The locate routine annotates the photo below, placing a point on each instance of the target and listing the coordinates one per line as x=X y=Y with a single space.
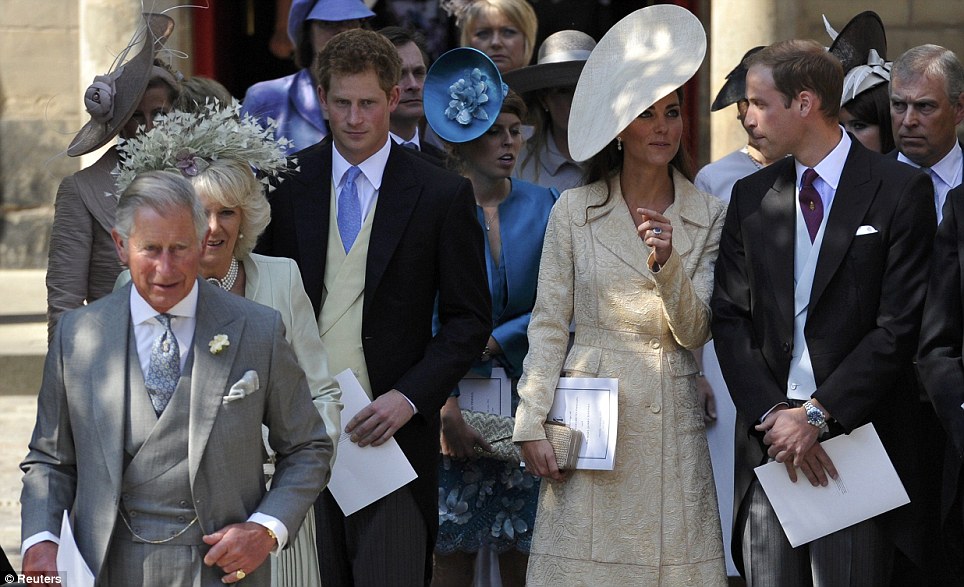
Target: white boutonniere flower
x=219 y=343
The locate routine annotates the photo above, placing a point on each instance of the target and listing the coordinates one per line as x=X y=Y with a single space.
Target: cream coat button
x=655 y=408
x=654 y=343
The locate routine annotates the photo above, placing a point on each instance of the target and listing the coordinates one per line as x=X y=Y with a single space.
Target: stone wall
x=38 y=83
x=51 y=49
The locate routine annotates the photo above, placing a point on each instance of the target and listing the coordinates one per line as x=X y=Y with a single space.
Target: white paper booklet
x=362 y=475
x=591 y=406
x=866 y=486
x=491 y=394
x=71 y=567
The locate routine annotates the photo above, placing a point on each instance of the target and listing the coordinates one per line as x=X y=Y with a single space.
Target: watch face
x=814 y=415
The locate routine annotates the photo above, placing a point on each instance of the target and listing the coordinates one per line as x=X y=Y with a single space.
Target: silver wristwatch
x=815 y=416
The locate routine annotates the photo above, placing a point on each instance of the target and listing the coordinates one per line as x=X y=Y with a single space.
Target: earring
x=619 y=143
x=240 y=236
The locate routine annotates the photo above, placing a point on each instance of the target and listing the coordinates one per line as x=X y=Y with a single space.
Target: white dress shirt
x=369 y=181
x=414 y=140
x=945 y=175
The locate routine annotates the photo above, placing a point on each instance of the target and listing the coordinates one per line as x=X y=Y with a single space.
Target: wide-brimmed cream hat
x=644 y=57
x=112 y=99
x=561 y=59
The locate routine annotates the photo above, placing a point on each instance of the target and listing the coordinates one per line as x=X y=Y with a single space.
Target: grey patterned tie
x=165 y=366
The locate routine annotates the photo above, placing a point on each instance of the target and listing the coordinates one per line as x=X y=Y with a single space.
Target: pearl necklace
x=228 y=282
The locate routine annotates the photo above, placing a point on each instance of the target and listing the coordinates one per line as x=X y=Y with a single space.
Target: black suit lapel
x=312 y=203
x=778 y=211
x=396 y=200
x=853 y=197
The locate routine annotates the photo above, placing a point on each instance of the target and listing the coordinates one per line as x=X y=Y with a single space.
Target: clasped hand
x=793 y=441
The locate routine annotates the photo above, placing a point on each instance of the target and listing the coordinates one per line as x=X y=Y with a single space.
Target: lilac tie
x=349 y=209
x=810 y=203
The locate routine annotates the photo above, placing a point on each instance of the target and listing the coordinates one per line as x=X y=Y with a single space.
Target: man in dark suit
x=409 y=114
x=941 y=368
x=926 y=105
x=380 y=234
x=819 y=289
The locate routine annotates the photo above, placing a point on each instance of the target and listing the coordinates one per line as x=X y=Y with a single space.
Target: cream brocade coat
x=654 y=519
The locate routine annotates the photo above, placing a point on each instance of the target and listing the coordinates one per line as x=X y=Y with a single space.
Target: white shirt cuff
x=36 y=539
x=273 y=524
x=768 y=412
x=414 y=409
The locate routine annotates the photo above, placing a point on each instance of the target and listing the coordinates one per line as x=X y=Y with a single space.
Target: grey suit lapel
x=108 y=374
x=778 y=233
x=209 y=378
x=853 y=197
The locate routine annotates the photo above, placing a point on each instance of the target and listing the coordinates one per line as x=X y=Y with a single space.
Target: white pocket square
x=866 y=229
x=247 y=385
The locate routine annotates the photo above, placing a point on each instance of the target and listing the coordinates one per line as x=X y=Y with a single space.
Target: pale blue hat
x=330 y=10
x=463 y=94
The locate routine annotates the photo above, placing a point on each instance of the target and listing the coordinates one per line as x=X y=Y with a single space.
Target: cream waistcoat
x=342 y=299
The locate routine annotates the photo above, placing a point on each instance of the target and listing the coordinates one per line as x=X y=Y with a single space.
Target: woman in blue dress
x=486 y=503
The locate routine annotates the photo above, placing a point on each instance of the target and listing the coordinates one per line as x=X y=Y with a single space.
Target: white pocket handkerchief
x=247 y=385
x=866 y=229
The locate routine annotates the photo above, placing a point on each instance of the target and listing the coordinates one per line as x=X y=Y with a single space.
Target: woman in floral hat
x=487 y=506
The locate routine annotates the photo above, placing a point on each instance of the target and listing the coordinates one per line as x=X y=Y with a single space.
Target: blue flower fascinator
x=463 y=95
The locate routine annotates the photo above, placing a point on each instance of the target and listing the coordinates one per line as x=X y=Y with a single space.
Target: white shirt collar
x=141 y=311
x=830 y=167
x=372 y=168
x=948 y=168
x=414 y=140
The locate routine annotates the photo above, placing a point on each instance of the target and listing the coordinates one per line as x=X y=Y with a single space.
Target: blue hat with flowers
x=463 y=94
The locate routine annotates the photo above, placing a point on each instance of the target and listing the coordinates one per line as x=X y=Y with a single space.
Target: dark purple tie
x=810 y=203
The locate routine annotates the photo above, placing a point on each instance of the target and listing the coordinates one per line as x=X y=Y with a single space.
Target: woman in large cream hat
x=82 y=263
x=630 y=258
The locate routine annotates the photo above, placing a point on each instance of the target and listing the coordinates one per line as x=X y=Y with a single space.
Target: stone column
x=735 y=27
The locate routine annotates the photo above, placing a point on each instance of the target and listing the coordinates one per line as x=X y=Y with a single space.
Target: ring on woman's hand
x=240 y=574
x=657 y=230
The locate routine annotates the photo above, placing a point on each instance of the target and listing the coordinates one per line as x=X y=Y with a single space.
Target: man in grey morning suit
x=149 y=418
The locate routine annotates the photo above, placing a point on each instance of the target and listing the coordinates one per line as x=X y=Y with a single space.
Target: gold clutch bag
x=497 y=431
x=565 y=442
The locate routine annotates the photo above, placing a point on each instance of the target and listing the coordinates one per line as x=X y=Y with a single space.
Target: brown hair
x=803 y=65
x=607 y=163
x=357 y=51
x=512 y=104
